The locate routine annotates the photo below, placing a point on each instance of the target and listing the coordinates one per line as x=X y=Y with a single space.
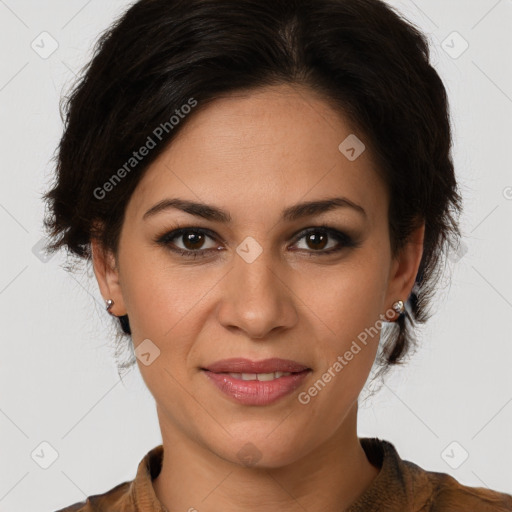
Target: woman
x=209 y=148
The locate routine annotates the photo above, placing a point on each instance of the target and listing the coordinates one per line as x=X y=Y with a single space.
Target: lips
x=241 y=365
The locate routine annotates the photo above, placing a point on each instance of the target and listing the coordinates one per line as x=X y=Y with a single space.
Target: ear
x=106 y=271
x=404 y=267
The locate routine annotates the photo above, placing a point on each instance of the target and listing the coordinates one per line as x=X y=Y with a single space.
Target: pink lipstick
x=256 y=382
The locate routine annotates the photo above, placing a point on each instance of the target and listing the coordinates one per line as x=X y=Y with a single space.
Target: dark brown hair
x=361 y=56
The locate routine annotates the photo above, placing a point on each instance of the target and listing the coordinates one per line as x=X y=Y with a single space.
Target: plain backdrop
x=448 y=410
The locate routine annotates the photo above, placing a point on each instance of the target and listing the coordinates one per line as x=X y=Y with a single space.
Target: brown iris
x=193 y=240
x=319 y=240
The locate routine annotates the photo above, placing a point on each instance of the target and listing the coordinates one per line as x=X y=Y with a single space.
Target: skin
x=253 y=155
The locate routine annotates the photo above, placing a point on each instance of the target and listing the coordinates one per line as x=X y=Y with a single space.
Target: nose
x=256 y=298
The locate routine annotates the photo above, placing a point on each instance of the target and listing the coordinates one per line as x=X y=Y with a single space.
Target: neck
x=330 y=477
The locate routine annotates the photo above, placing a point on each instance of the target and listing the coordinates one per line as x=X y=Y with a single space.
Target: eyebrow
x=289 y=214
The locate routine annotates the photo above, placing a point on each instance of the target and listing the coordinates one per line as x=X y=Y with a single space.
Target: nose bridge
x=255 y=299
x=254 y=261
x=255 y=273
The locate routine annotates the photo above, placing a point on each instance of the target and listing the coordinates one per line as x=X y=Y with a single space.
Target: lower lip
x=255 y=392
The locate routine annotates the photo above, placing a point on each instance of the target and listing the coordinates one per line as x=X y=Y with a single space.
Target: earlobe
x=107 y=275
x=405 y=267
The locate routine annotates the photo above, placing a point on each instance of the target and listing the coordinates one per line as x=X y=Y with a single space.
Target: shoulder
x=402 y=485
x=117 y=497
x=449 y=495
x=443 y=493
x=76 y=507
x=127 y=496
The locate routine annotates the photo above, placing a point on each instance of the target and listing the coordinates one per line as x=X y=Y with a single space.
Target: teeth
x=259 y=376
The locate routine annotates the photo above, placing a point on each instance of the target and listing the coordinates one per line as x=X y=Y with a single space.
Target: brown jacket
x=400 y=486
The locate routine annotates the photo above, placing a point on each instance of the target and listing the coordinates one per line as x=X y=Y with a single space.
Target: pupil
x=189 y=239
x=194 y=240
x=317 y=237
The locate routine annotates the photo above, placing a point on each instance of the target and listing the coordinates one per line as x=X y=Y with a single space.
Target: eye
x=316 y=238
x=193 y=241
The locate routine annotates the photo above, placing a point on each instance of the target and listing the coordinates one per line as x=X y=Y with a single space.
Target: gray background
x=58 y=379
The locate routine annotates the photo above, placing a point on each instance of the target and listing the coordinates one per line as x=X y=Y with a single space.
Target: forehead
x=260 y=151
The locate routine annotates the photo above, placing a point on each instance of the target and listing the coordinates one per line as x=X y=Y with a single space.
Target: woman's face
x=258 y=286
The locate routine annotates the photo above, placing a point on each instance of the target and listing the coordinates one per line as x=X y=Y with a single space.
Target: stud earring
x=109 y=303
x=399 y=307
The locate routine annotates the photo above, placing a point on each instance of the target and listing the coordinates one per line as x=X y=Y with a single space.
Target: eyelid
x=333 y=232
x=340 y=236
x=176 y=232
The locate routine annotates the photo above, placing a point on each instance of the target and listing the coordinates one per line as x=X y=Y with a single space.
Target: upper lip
x=241 y=365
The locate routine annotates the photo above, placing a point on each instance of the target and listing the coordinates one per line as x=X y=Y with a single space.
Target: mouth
x=256 y=382
x=247 y=366
x=262 y=377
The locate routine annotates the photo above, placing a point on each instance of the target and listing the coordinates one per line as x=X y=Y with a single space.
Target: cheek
x=345 y=353
x=347 y=297
x=346 y=307
x=166 y=304
x=159 y=294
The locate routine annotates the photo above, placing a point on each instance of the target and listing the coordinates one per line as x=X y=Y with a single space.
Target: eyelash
x=339 y=236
